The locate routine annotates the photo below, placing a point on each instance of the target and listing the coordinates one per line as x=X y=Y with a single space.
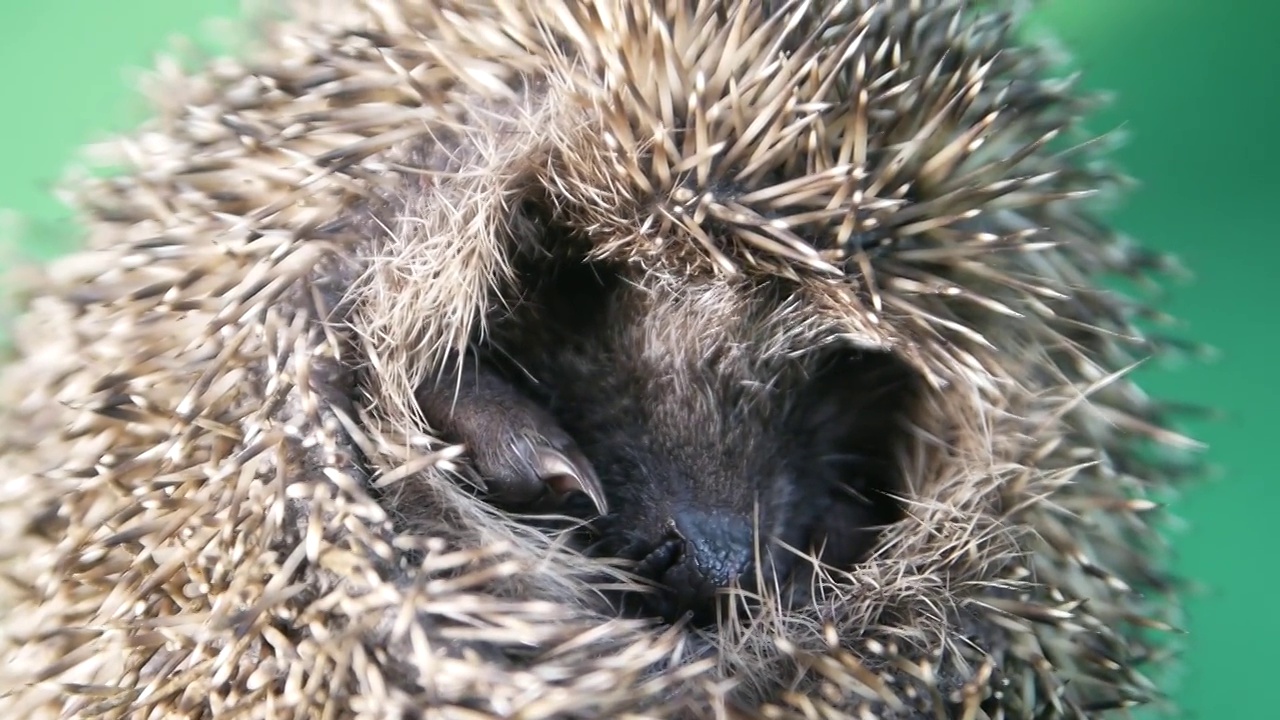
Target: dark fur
x=699 y=433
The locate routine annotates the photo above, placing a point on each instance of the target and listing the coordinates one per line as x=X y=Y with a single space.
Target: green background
x=1196 y=93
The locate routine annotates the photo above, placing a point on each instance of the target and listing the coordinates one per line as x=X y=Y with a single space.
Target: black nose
x=714 y=551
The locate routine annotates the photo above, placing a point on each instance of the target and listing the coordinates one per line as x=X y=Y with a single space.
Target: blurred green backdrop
x=1199 y=98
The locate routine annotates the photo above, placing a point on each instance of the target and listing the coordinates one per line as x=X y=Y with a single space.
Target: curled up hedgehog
x=590 y=359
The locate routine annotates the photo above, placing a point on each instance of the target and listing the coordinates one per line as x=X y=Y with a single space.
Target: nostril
x=718 y=547
x=659 y=561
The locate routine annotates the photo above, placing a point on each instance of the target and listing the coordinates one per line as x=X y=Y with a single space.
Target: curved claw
x=566 y=472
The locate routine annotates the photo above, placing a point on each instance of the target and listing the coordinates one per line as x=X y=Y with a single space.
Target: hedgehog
x=592 y=358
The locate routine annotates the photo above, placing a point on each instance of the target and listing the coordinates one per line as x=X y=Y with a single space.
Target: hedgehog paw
x=523 y=456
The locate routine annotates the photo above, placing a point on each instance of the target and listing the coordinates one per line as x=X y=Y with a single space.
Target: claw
x=566 y=472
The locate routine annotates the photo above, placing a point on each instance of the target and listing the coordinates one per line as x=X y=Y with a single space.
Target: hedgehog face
x=711 y=463
x=732 y=479
x=742 y=483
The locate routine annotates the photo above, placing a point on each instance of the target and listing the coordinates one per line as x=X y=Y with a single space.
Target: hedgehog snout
x=705 y=553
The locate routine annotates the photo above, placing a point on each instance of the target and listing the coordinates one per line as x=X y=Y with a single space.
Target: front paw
x=523 y=456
